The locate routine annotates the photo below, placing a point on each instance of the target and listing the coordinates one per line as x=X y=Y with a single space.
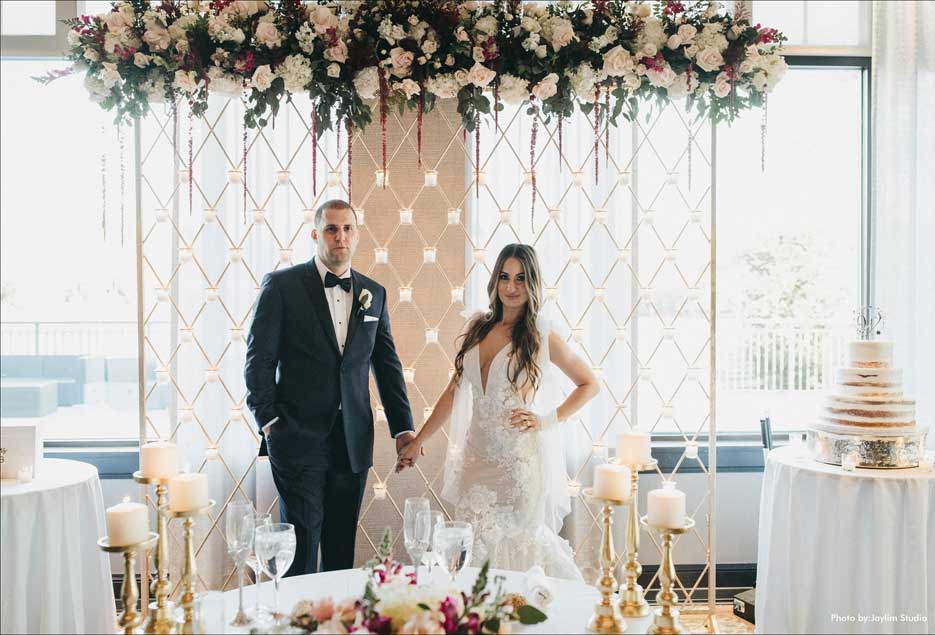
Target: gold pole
x=130 y=618
x=632 y=601
x=187 y=602
x=666 y=617
x=606 y=617
x=160 y=619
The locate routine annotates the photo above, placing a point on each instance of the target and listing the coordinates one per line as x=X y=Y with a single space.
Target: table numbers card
x=20 y=447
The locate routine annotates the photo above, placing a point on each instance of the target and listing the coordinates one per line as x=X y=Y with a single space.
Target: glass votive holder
x=334 y=178
x=379 y=491
x=285 y=255
x=234 y=176
x=431 y=336
x=405 y=294
x=482 y=178
x=405 y=217
x=577 y=178
x=479 y=255
x=600 y=216
x=186 y=335
x=282 y=177
x=361 y=216
x=409 y=374
x=259 y=216
x=431 y=178
x=691 y=450
x=574 y=489
x=574 y=255
x=454 y=216
x=236 y=334
x=457 y=295
x=209 y=214
x=162 y=215
x=162 y=375
x=211 y=375
x=236 y=254
x=185 y=254
x=308 y=215
x=162 y=294
x=381 y=255
x=506 y=216
x=623 y=177
x=382 y=178
x=600 y=294
x=694 y=216
x=849 y=461
x=24 y=474
x=649 y=217
x=429 y=255
x=624 y=255
x=555 y=213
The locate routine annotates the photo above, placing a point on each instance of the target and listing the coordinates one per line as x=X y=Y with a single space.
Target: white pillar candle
x=127 y=523
x=611 y=481
x=633 y=448
x=666 y=506
x=188 y=491
x=159 y=459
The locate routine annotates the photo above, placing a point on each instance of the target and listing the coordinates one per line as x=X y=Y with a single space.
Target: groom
x=317 y=330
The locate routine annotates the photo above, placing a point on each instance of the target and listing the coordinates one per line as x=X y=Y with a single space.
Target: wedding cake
x=868 y=392
x=866 y=416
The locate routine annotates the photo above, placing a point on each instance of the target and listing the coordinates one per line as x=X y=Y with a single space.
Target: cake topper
x=869 y=322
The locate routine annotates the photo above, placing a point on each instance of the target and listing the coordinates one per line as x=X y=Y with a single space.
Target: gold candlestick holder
x=666 y=617
x=606 y=617
x=632 y=600
x=129 y=619
x=160 y=613
x=187 y=627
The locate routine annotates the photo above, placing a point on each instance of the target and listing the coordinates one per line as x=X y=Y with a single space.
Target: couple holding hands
x=318 y=329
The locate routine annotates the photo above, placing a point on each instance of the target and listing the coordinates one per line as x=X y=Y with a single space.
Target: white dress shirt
x=340 y=303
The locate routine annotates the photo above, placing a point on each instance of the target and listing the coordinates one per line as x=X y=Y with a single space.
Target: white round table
x=54 y=577
x=569 y=611
x=844 y=552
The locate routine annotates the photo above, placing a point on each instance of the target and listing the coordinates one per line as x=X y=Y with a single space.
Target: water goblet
x=258 y=613
x=431 y=555
x=275 y=549
x=417 y=530
x=455 y=540
x=239 y=526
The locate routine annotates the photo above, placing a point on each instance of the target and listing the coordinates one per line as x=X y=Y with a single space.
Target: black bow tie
x=332 y=280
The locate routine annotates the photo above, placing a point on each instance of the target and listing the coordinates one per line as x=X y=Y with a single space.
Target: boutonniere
x=365 y=299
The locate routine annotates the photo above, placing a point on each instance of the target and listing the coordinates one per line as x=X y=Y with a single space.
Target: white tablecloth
x=54 y=577
x=844 y=552
x=569 y=611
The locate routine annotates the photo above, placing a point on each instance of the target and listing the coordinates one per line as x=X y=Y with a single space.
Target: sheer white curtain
x=903 y=189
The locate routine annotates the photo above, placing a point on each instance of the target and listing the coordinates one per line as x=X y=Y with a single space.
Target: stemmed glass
x=454 y=543
x=417 y=530
x=431 y=555
x=256 y=613
x=239 y=525
x=275 y=549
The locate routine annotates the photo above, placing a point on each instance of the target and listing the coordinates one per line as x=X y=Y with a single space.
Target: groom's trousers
x=321 y=496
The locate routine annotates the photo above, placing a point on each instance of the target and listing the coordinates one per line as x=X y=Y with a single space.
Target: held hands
x=525 y=420
x=408 y=449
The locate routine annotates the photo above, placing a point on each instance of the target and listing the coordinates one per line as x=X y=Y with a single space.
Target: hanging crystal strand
x=337 y=141
x=419 y=109
x=103 y=186
x=561 y=154
x=314 y=152
x=477 y=155
x=690 y=138
x=190 y=157
x=763 y=135
x=350 y=154
x=597 y=132
x=123 y=184
x=532 y=165
x=606 y=129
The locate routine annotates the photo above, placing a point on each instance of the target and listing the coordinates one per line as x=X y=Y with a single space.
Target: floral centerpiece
x=393 y=603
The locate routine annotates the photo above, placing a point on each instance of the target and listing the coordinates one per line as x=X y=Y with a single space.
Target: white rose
x=111 y=76
x=247 y=7
x=617 y=61
x=775 y=67
x=746 y=66
x=449 y=60
x=367 y=82
x=401 y=60
x=73 y=37
x=642 y=10
x=322 y=19
x=632 y=81
x=96 y=89
x=444 y=86
x=480 y=75
x=513 y=90
x=337 y=53
x=530 y=24
x=674 y=42
x=709 y=59
x=268 y=34
x=541 y=51
x=263 y=77
x=91 y=55
x=461 y=35
x=661 y=78
x=141 y=60
x=461 y=76
x=562 y=32
x=648 y=50
x=653 y=32
x=691 y=51
x=478 y=55
x=759 y=81
x=224 y=83
x=410 y=87
x=487 y=24
x=679 y=88
x=547 y=87
x=722 y=85
x=686 y=32
x=157 y=38
x=186 y=81
x=116 y=22
x=429 y=47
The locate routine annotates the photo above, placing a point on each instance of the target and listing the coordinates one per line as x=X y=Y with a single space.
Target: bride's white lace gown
x=501 y=479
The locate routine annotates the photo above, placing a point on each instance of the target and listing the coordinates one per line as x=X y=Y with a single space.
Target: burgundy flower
x=673 y=7
x=379 y=624
x=450 y=612
x=473 y=623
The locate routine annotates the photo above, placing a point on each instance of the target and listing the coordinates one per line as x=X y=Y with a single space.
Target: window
x=67 y=292
x=789 y=247
x=27 y=18
x=834 y=23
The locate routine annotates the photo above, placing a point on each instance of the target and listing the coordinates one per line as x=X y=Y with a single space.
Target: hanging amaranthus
x=597 y=132
x=419 y=110
x=350 y=154
x=532 y=164
x=314 y=152
x=384 y=95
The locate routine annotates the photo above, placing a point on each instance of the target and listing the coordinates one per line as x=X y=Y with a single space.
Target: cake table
x=844 y=552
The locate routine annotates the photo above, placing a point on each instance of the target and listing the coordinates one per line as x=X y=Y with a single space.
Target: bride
x=505 y=468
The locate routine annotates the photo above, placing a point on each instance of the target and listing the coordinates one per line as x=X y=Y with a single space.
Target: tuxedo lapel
x=316 y=291
x=356 y=313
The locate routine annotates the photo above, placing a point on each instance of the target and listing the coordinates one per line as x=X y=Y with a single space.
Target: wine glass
x=256 y=613
x=431 y=555
x=417 y=530
x=239 y=526
x=275 y=549
x=454 y=543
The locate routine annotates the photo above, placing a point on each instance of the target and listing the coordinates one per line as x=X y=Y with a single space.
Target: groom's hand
x=407 y=450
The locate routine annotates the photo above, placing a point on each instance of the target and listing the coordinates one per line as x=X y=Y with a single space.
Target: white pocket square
x=370 y=318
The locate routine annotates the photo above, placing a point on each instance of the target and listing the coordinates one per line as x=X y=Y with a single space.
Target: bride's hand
x=409 y=454
x=525 y=420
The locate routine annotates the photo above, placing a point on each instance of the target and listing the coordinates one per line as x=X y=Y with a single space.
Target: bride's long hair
x=525 y=335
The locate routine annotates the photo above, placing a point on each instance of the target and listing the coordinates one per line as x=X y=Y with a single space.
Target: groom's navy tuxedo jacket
x=295 y=370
